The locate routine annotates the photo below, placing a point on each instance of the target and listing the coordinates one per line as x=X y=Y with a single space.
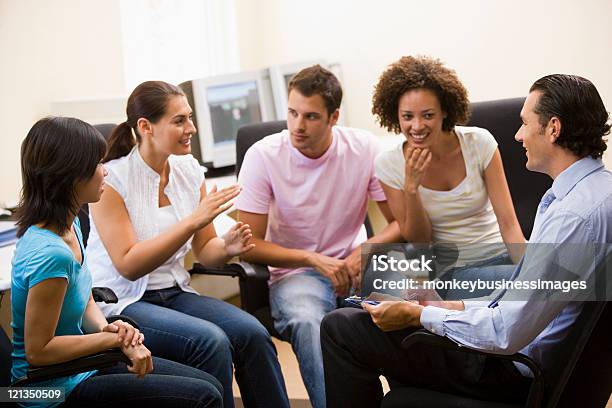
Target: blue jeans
x=209 y=334
x=490 y=270
x=298 y=304
x=169 y=385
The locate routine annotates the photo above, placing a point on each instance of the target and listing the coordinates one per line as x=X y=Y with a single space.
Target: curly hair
x=578 y=105
x=419 y=72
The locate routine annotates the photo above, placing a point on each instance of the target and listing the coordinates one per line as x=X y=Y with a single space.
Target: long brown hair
x=149 y=100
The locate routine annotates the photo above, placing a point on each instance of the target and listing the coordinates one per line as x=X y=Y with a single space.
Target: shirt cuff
x=432 y=318
x=470 y=304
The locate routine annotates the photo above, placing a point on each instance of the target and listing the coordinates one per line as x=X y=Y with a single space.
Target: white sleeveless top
x=138 y=185
x=165 y=276
x=464 y=215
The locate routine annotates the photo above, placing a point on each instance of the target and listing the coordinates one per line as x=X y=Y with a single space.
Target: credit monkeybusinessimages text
x=478 y=284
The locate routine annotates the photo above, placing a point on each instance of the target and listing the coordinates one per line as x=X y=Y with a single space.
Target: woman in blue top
x=54 y=316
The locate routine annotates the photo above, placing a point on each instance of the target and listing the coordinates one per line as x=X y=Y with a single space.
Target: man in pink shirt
x=304 y=194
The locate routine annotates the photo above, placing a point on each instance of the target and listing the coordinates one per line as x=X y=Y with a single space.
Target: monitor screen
x=231 y=106
x=221 y=105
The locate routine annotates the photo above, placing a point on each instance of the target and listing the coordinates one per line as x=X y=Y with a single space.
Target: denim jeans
x=209 y=334
x=298 y=304
x=169 y=385
x=490 y=270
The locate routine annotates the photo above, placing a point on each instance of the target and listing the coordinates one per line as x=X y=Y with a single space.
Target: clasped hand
x=131 y=344
x=343 y=273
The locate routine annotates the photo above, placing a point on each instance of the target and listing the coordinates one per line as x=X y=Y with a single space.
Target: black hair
x=57 y=153
x=578 y=105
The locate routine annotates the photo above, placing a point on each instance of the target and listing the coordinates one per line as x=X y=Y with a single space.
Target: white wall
x=52 y=50
x=498 y=47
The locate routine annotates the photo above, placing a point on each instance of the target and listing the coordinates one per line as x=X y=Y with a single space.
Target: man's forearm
x=268 y=253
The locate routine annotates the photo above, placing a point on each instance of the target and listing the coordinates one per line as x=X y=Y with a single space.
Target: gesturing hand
x=213 y=204
x=237 y=239
x=417 y=161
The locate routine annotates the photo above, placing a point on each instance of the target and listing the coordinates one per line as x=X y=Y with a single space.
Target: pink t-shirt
x=313 y=204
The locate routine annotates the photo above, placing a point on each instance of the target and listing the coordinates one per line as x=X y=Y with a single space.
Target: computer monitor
x=280 y=75
x=222 y=104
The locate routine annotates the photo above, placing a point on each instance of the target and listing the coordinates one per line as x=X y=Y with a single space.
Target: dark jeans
x=209 y=334
x=490 y=270
x=356 y=353
x=169 y=385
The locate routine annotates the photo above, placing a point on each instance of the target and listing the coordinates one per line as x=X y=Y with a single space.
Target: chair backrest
x=249 y=134
x=105 y=129
x=580 y=373
x=583 y=373
x=254 y=296
x=502 y=119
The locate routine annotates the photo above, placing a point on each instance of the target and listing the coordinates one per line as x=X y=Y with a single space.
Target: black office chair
x=502 y=119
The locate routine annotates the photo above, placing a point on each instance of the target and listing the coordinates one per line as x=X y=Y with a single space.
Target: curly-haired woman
x=445 y=183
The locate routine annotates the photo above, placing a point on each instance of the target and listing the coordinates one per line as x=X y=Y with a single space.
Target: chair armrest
x=105 y=295
x=92 y=362
x=224 y=270
x=253 y=271
x=425 y=337
x=243 y=270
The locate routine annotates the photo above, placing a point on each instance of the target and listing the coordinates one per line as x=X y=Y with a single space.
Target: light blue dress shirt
x=577 y=209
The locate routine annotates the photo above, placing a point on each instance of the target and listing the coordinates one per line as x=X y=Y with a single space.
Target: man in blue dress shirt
x=564 y=127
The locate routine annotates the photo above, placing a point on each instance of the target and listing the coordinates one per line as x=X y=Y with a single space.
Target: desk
x=221 y=182
x=6 y=255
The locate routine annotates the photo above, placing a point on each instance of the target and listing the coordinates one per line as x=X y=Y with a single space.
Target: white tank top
x=164 y=276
